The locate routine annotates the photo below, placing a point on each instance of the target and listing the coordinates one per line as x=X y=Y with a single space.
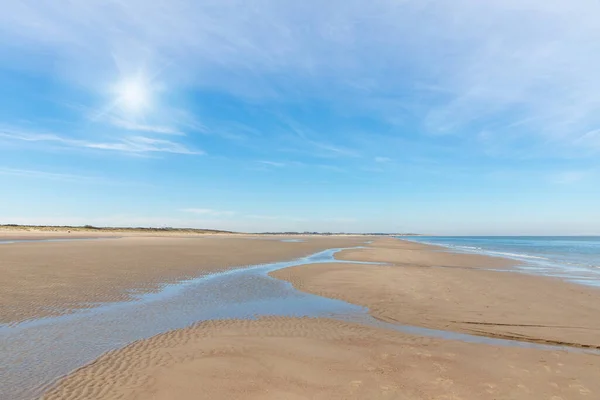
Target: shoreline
x=307 y=357
x=582 y=271
x=494 y=302
x=293 y=341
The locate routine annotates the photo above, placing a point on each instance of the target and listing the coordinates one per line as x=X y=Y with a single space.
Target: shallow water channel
x=36 y=353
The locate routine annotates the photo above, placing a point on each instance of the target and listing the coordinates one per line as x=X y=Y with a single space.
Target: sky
x=462 y=117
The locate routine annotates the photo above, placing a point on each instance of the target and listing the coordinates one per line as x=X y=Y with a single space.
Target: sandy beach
x=282 y=357
x=286 y=200
x=425 y=286
x=49 y=278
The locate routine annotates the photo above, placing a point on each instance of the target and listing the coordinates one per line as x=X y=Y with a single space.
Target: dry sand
x=287 y=358
x=281 y=358
x=459 y=297
x=397 y=252
x=48 y=278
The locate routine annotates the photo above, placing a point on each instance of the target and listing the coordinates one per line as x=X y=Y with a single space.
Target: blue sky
x=461 y=117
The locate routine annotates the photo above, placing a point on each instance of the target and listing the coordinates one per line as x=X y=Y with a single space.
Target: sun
x=133 y=95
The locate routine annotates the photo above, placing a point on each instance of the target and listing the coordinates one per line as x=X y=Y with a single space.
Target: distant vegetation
x=340 y=233
x=88 y=228
x=85 y=228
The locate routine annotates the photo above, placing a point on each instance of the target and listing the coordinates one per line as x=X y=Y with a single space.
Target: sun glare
x=133 y=96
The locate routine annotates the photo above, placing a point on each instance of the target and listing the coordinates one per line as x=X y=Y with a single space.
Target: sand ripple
x=293 y=358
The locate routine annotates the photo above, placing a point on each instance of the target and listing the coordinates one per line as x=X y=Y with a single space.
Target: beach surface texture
x=399 y=283
x=49 y=274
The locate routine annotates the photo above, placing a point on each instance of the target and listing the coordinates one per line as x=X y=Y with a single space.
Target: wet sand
x=41 y=278
x=288 y=358
x=406 y=253
x=293 y=358
x=423 y=286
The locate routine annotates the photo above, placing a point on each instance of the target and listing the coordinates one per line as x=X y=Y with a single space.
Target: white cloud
x=463 y=63
x=209 y=212
x=382 y=159
x=129 y=144
x=272 y=163
x=308 y=139
x=569 y=177
x=67 y=177
x=141 y=144
x=333 y=168
x=135 y=126
x=46 y=175
x=32 y=137
x=280 y=164
x=590 y=139
x=278 y=218
x=342 y=220
x=335 y=151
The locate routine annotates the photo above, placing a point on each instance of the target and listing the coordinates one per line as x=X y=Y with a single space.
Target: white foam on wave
x=569 y=265
x=469 y=247
x=500 y=253
x=517 y=255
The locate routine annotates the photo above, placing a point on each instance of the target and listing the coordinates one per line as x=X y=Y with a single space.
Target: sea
x=573 y=258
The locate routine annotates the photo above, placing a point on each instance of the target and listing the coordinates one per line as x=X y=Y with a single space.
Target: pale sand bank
x=285 y=358
x=49 y=278
x=402 y=252
x=461 y=298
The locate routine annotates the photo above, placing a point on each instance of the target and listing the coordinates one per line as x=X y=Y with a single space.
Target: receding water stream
x=36 y=353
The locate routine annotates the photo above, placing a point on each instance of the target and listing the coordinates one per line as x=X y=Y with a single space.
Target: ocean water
x=575 y=258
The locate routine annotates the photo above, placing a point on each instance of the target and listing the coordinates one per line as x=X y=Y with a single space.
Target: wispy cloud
x=209 y=212
x=373 y=169
x=470 y=63
x=272 y=163
x=67 y=177
x=533 y=71
x=339 y=85
x=141 y=144
x=305 y=140
x=333 y=168
x=46 y=175
x=382 y=159
x=342 y=220
x=130 y=144
x=334 y=150
x=135 y=126
x=590 y=139
x=164 y=120
x=276 y=218
x=569 y=177
x=31 y=137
